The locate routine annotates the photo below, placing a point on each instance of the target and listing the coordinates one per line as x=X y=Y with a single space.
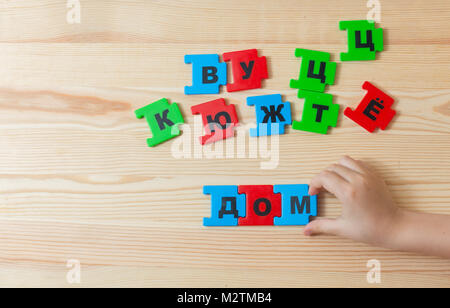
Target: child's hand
x=370 y=215
x=368 y=210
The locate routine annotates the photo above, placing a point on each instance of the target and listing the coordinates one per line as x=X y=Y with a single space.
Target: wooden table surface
x=77 y=180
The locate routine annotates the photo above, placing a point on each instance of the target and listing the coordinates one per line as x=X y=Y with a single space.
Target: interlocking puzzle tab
x=208 y=74
x=219 y=120
x=248 y=69
x=319 y=112
x=374 y=110
x=226 y=206
x=163 y=120
x=262 y=205
x=364 y=40
x=296 y=205
x=316 y=71
x=272 y=114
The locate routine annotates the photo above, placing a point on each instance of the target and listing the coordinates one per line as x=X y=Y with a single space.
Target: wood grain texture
x=78 y=182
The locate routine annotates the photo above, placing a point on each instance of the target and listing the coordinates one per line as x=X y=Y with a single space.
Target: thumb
x=323 y=226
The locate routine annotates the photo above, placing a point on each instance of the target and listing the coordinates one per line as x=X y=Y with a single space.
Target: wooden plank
x=77 y=180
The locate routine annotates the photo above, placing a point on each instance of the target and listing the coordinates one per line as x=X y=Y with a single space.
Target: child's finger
x=329 y=180
x=343 y=171
x=323 y=226
x=353 y=164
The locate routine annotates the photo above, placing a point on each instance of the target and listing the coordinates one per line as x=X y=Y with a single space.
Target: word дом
x=260 y=205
